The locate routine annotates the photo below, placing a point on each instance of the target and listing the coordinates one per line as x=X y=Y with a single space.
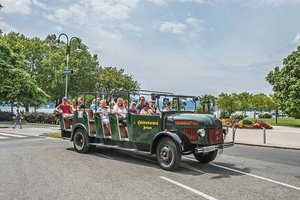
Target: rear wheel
x=81 y=141
x=168 y=154
x=206 y=158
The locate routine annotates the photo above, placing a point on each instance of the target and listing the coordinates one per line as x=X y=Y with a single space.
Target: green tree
x=286 y=84
x=111 y=78
x=244 y=100
x=207 y=103
x=16 y=84
x=228 y=103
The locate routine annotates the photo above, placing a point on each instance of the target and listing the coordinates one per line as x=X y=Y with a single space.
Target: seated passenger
x=167 y=106
x=141 y=104
x=103 y=111
x=125 y=104
x=94 y=107
x=120 y=111
x=153 y=109
x=132 y=108
x=64 y=107
x=145 y=110
x=81 y=104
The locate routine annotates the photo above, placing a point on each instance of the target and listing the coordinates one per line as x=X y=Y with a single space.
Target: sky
x=190 y=47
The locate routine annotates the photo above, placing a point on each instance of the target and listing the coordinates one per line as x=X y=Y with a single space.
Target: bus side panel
x=99 y=127
x=115 y=129
x=143 y=128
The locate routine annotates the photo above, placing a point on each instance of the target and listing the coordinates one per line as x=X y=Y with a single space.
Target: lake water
x=31 y=109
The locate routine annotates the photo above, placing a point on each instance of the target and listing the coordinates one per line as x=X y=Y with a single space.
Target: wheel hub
x=165 y=153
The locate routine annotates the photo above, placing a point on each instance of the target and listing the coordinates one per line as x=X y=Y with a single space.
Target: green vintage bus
x=167 y=134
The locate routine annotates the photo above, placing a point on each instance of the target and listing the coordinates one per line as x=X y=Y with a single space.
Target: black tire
x=168 y=155
x=81 y=141
x=206 y=158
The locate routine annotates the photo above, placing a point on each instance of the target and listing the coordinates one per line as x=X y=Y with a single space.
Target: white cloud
x=131 y=27
x=197 y=24
x=107 y=10
x=172 y=27
x=73 y=12
x=6 y=28
x=159 y=2
x=297 y=39
x=40 y=5
x=21 y=7
x=191 y=26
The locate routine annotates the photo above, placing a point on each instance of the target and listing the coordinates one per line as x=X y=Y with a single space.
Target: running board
x=119 y=148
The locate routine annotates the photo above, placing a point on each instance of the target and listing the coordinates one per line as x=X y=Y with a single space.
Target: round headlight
x=201 y=132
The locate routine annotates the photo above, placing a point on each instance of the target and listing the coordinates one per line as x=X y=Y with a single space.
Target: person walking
x=18 y=119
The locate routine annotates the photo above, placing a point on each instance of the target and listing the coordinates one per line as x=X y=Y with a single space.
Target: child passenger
x=103 y=111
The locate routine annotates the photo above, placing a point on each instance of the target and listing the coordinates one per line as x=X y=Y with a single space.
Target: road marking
x=188 y=188
x=1 y=137
x=252 y=175
x=13 y=135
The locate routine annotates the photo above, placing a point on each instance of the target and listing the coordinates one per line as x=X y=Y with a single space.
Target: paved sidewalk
x=28 y=129
x=279 y=136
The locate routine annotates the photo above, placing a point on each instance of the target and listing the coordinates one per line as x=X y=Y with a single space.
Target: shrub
x=265 y=115
x=46 y=118
x=237 y=116
x=261 y=124
x=230 y=122
x=6 y=116
x=247 y=122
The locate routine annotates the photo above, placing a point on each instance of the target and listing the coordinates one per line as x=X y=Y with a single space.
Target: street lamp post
x=68 y=51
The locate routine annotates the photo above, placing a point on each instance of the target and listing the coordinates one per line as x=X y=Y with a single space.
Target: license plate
x=208 y=149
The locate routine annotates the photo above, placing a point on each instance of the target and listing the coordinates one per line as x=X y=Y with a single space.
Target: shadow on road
x=187 y=167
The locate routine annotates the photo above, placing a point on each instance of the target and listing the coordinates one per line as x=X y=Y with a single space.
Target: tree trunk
x=12 y=107
x=26 y=108
x=56 y=103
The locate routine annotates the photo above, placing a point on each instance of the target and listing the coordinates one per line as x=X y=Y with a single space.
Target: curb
x=270 y=146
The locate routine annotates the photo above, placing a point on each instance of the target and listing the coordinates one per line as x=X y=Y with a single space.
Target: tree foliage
x=206 y=104
x=245 y=101
x=111 y=78
x=37 y=66
x=286 y=84
x=227 y=102
x=16 y=84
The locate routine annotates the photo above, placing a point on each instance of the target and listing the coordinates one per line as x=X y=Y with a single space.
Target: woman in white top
x=120 y=110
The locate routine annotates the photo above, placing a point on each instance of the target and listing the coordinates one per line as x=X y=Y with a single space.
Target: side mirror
x=196 y=99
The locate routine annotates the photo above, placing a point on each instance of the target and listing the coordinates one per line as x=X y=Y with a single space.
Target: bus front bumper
x=211 y=148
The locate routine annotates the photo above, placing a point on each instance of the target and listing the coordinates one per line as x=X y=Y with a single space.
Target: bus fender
x=77 y=126
x=172 y=135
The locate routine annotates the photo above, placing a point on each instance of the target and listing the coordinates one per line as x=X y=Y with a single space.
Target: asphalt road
x=41 y=168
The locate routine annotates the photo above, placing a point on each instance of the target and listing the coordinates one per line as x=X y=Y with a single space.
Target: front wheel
x=168 y=154
x=81 y=141
x=206 y=158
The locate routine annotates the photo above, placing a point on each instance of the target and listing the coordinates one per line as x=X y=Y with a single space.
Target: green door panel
x=80 y=117
x=142 y=128
x=99 y=127
x=114 y=125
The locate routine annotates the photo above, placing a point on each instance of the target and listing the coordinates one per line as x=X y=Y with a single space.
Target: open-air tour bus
x=167 y=134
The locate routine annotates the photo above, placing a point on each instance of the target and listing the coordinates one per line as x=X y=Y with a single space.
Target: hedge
x=6 y=116
x=46 y=118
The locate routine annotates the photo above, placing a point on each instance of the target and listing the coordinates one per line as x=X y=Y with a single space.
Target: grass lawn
x=282 y=121
x=52 y=134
